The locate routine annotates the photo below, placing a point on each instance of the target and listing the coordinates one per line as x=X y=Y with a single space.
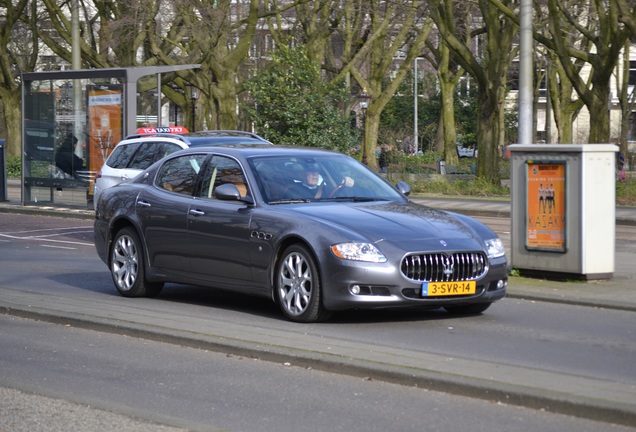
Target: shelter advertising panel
x=104 y=123
x=546 y=218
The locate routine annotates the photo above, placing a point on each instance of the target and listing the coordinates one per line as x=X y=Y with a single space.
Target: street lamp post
x=177 y=89
x=193 y=93
x=364 y=104
x=415 y=96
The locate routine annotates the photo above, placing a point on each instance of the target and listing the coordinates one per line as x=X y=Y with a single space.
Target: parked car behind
x=137 y=152
x=466 y=152
x=314 y=230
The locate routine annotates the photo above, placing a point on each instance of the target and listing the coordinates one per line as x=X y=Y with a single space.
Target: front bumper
x=383 y=286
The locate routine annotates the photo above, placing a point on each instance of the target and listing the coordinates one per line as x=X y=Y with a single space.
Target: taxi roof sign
x=162 y=129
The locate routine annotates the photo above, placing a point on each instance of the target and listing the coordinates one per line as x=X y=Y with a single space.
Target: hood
x=400 y=222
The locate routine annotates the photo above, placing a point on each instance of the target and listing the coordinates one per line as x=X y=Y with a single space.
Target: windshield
x=294 y=178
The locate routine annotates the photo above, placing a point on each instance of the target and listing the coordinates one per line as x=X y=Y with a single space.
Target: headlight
x=358 y=252
x=495 y=248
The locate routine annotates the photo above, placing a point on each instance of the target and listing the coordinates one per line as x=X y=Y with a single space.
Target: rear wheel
x=298 y=287
x=127 y=266
x=470 y=309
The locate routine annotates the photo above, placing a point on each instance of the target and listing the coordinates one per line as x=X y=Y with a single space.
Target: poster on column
x=104 y=123
x=546 y=219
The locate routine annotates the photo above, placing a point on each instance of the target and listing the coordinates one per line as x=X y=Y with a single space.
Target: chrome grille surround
x=441 y=267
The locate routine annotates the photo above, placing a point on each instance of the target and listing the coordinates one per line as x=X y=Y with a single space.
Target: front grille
x=440 y=267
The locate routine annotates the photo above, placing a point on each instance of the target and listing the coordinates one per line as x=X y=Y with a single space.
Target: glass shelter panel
x=70 y=128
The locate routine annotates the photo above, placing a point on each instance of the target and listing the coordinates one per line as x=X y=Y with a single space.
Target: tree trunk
x=626 y=99
x=227 y=117
x=438 y=145
x=565 y=127
x=370 y=133
x=448 y=115
x=488 y=139
x=599 y=117
x=12 y=121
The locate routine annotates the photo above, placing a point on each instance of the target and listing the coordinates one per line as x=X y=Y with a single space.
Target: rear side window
x=151 y=152
x=121 y=155
x=180 y=174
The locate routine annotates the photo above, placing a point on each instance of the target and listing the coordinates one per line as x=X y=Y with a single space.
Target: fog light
x=501 y=284
x=355 y=289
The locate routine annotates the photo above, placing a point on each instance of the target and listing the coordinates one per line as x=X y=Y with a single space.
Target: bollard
x=442 y=167
x=3 y=176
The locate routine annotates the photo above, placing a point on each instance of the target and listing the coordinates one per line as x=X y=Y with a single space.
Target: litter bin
x=3 y=176
x=563 y=210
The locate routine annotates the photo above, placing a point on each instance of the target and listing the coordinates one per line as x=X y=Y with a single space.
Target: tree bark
x=448 y=82
x=12 y=120
x=448 y=116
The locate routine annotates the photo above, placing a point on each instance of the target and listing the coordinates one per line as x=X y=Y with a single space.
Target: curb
x=65 y=212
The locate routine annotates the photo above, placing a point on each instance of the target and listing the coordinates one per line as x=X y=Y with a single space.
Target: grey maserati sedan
x=314 y=230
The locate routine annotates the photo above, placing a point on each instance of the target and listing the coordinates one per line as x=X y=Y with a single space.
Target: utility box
x=563 y=210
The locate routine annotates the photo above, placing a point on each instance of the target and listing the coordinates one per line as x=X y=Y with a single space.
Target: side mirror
x=403 y=187
x=229 y=192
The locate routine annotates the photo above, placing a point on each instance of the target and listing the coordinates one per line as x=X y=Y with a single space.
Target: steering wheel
x=346 y=182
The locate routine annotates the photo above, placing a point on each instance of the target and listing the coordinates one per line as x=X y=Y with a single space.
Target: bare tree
x=119 y=34
x=565 y=107
x=603 y=39
x=488 y=66
x=626 y=98
x=361 y=40
x=18 y=53
x=374 y=34
x=449 y=74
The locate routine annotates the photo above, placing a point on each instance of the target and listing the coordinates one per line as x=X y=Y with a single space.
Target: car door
x=163 y=209
x=219 y=230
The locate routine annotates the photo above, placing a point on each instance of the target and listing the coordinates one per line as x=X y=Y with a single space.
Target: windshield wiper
x=290 y=201
x=353 y=198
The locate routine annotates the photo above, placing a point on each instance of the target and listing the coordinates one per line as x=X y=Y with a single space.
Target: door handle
x=195 y=212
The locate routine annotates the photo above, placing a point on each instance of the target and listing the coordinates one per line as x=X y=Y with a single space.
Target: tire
x=297 y=286
x=127 y=266
x=470 y=309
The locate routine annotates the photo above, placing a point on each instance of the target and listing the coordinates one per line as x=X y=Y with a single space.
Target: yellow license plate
x=438 y=289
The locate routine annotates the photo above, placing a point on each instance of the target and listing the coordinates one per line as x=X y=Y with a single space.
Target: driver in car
x=313 y=186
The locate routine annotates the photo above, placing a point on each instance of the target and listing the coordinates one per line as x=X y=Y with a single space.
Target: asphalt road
x=94 y=381
x=44 y=255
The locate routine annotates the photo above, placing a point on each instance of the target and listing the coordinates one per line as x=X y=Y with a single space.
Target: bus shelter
x=71 y=121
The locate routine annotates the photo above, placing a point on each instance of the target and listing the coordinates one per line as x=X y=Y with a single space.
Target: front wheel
x=127 y=266
x=470 y=309
x=297 y=286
